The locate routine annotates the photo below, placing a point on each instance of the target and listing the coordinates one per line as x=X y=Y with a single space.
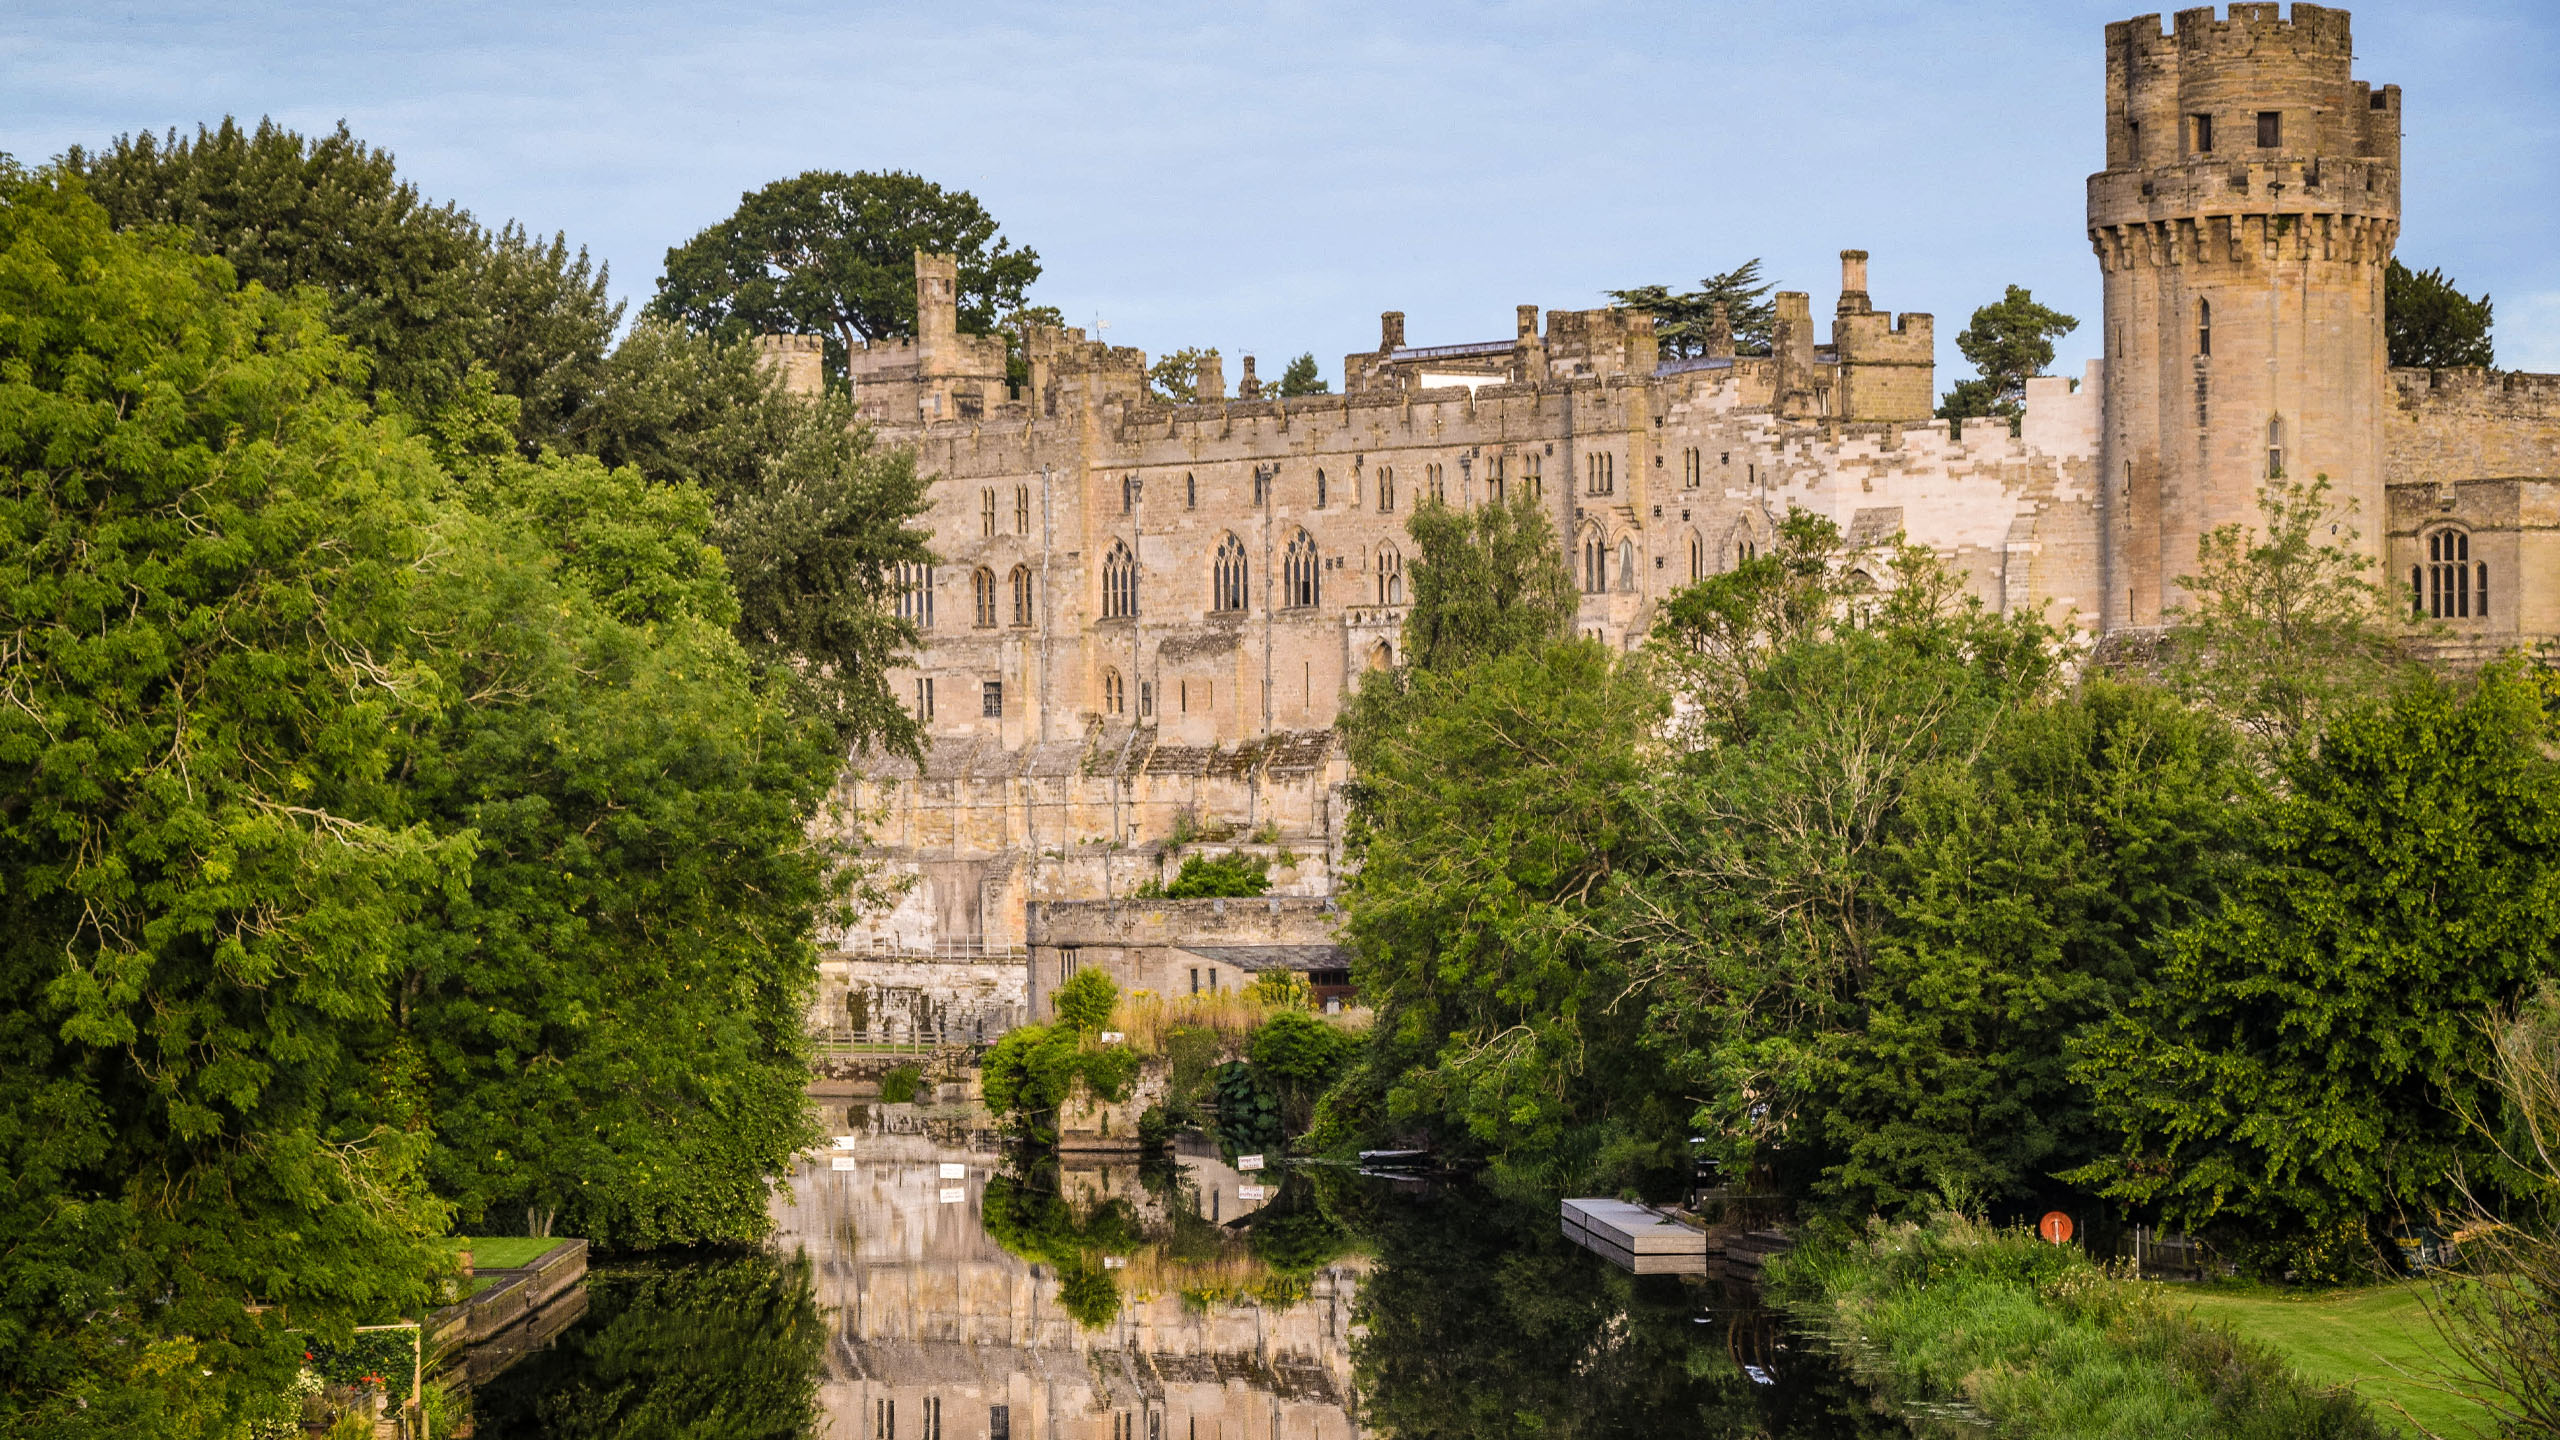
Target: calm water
x=1184 y=1301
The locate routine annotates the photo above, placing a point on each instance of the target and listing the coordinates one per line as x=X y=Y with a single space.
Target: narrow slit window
x=2204 y=327
x=2275 y=448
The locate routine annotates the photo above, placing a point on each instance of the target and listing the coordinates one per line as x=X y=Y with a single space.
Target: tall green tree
x=833 y=254
x=1682 y=320
x=421 y=287
x=2312 y=1046
x=1175 y=377
x=1302 y=378
x=1487 y=581
x=2007 y=341
x=2282 y=626
x=209 y=548
x=2428 y=321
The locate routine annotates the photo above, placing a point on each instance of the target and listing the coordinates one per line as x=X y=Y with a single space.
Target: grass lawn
x=2349 y=1337
x=502 y=1252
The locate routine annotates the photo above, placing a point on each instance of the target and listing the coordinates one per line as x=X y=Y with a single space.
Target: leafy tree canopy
x=1176 y=375
x=423 y=288
x=1302 y=378
x=1682 y=322
x=2311 y=1048
x=2007 y=341
x=1230 y=876
x=833 y=254
x=2426 y=321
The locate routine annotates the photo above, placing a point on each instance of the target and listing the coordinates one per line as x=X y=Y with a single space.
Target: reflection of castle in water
x=941 y=1334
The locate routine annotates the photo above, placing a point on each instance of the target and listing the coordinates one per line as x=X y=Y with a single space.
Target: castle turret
x=2249 y=206
x=1888 y=365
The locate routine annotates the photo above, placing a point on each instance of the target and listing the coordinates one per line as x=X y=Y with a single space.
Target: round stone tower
x=2249 y=205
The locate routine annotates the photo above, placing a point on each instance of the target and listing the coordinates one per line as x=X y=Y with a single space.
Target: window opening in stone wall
x=1022 y=595
x=991 y=700
x=884 y=1420
x=1627 y=564
x=1600 y=474
x=1298 y=573
x=2275 y=448
x=1595 y=564
x=1128 y=493
x=1146 y=699
x=2449 y=591
x=982 y=590
x=1119 y=583
x=1432 y=476
x=924 y=699
x=1021 y=509
x=933 y=1417
x=987 y=513
x=1190 y=493
x=999 y=1422
x=1390 y=576
x=2200 y=133
x=2133 y=141
x=1259 y=482
x=1319 y=489
x=1227 y=576
x=1493 y=479
x=1534 y=470
x=1697 y=558
x=2270 y=129
x=1114 y=696
x=915 y=595
x=2204 y=327
x=1693 y=462
x=1386 y=489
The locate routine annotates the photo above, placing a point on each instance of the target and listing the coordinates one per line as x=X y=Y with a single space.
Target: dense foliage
x=1684 y=321
x=2428 y=321
x=2007 y=342
x=833 y=254
x=1855 y=888
x=404 y=803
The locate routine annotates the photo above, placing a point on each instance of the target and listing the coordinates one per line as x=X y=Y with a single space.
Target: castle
x=1147 y=615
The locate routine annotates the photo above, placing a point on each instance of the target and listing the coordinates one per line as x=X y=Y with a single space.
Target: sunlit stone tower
x=2249 y=205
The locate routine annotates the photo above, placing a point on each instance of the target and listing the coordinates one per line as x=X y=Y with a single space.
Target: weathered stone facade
x=1147 y=616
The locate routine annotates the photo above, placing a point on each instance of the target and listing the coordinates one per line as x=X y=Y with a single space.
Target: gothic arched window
x=1386 y=489
x=2451 y=586
x=1298 y=574
x=1190 y=492
x=987 y=512
x=1627 y=564
x=1119 y=582
x=1697 y=558
x=1227 y=577
x=1390 y=575
x=1115 y=697
x=915 y=595
x=1021 y=594
x=1595 y=563
x=1319 y=489
x=982 y=590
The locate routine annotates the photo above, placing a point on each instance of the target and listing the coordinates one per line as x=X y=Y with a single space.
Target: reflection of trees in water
x=722 y=1348
x=1483 y=1321
x=1265 y=1258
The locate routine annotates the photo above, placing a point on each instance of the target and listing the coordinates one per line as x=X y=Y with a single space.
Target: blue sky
x=1267 y=177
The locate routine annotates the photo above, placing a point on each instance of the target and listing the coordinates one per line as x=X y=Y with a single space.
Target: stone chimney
x=1720 y=333
x=1853 y=283
x=1528 y=322
x=1212 y=384
x=1390 y=331
x=1791 y=345
x=1248 y=388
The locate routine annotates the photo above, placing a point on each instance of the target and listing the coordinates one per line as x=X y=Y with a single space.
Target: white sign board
x=843 y=1162
x=954 y=1194
x=952 y=1170
x=1250 y=1192
x=844 y=1142
x=1115 y=1262
x=1248 y=1162
x=1113 y=1037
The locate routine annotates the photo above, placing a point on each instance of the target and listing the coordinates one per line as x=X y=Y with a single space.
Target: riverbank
x=2374 y=1339
x=1991 y=1327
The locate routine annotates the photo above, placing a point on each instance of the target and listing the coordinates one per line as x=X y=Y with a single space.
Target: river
x=926 y=1284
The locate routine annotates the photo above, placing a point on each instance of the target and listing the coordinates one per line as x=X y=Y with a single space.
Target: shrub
x=1302 y=1053
x=899 y=1086
x=1248 y=1113
x=1228 y=877
x=1085 y=1002
x=1026 y=1075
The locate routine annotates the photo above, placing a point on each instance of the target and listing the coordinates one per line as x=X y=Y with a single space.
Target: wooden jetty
x=1648 y=1241
x=1636 y=1237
